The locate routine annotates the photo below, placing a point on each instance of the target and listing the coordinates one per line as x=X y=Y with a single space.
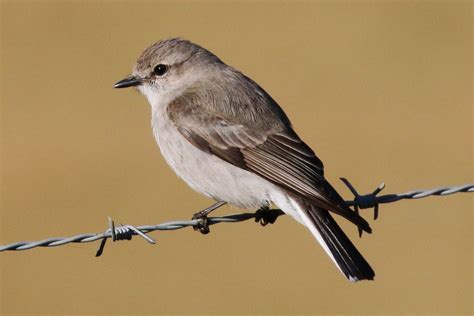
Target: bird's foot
x=265 y=215
x=202 y=225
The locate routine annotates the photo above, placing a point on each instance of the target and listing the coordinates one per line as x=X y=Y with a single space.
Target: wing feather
x=274 y=153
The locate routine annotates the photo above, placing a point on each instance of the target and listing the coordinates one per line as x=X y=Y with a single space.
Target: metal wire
x=264 y=216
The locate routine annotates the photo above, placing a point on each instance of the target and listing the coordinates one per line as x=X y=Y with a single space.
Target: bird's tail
x=334 y=241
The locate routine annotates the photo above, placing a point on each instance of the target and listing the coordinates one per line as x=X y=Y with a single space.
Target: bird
x=229 y=140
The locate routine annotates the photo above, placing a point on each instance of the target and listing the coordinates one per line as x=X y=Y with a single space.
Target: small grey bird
x=229 y=140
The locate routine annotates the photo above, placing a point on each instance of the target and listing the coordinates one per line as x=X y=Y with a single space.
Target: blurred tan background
x=381 y=91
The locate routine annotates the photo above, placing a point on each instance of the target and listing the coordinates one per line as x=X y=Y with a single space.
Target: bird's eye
x=160 y=69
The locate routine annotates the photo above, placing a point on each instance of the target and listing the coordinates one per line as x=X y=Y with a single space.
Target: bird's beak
x=128 y=82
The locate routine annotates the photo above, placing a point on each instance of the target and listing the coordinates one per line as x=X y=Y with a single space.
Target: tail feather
x=341 y=250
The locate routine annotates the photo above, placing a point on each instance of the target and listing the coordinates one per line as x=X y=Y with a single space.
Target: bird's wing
x=274 y=152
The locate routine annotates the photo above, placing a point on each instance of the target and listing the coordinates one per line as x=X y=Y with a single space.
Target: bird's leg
x=265 y=215
x=208 y=210
x=203 y=226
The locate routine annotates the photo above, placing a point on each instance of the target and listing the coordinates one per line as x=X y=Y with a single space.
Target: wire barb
x=122 y=232
x=365 y=201
x=125 y=232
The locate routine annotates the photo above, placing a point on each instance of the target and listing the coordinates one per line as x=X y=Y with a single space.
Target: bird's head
x=168 y=67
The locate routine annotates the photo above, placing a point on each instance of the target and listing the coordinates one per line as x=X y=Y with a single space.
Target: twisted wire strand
x=125 y=232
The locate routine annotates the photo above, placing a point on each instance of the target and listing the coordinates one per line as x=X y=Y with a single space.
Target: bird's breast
x=204 y=172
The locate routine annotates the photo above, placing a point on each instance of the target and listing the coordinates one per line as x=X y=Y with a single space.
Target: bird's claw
x=203 y=224
x=266 y=216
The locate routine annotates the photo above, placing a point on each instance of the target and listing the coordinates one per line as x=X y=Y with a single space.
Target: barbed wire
x=263 y=216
